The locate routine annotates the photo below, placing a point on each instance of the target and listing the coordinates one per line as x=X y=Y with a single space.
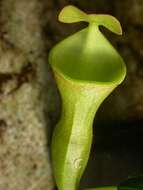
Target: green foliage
x=134 y=183
x=71 y=14
x=87 y=68
x=104 y=188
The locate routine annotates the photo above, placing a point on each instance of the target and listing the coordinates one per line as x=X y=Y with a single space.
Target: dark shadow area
x=116 y=154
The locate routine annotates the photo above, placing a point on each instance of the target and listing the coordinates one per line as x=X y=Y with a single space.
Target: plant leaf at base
x=135 y=183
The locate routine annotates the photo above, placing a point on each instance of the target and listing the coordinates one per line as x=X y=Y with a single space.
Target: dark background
x=30 y=104
x=117 y=151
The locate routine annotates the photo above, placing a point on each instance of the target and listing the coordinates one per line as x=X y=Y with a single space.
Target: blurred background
x=30 y=104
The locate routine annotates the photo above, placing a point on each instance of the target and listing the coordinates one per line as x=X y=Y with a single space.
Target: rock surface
x=26 y=88
x=29 y=101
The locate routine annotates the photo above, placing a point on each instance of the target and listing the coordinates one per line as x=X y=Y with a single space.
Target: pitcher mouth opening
x=65 y=75
x=98 y=63
x=92 y=72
